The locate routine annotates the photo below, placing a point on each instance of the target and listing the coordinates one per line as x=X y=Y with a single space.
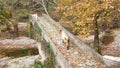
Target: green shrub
x=22 y=15
x=36 y=65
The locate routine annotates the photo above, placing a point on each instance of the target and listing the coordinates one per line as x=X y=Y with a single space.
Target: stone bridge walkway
x=71 y=55
x=75 y=57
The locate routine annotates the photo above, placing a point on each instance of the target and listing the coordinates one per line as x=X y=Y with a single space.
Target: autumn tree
x=86 y=16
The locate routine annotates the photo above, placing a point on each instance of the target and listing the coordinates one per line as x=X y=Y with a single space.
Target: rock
x=6 y=41
x=24 y=40
x=17 y=43
x=22 y=26
x=75 y=52
x=22 y=62
x=112 y=58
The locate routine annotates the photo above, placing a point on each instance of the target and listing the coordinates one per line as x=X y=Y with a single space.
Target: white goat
x=35 y=17
x=65 y=38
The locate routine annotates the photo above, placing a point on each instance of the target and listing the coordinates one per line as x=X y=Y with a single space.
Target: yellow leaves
x=119 y=9
x=84 y=33
x=82 y=28
x=57 y=9
x=62 y=2
x=71 y=7
x=80 y=23
x=66 y=1
x=83 y=13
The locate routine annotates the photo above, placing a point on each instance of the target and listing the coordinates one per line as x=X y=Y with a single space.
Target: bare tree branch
x=54 y=1
x=45 y=9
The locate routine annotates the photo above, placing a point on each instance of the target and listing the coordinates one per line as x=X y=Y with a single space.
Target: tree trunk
x=96 y=31
x=16 y=29
x=96 y=37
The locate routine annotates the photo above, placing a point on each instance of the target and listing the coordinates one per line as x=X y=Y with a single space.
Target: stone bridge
x=80 y=55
